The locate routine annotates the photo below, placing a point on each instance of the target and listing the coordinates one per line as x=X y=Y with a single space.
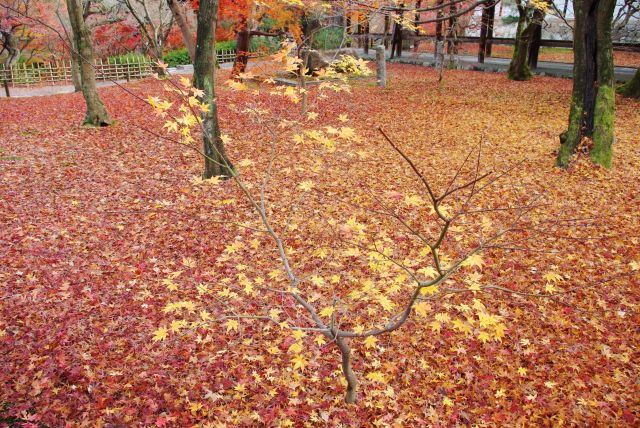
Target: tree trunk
x=591 y=117
x=631 y=89
x=519 y=66
x=96 y=112
x=349 y=375
x=216 y=162
x=180 y=19
x=534 y=47
x=243 y=39
x=452 y=43
x=76 y=78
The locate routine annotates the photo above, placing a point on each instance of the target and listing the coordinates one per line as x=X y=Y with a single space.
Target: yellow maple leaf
x=413 y=200
x=306 y=185
x=160 y=334
x=232 y=324
x=312 y=115
x=320 y=340
x=484 y=337
x=500 y=393
x=376 y=377
x=422 y=308
x=299 y=362
x=522 y=371
x=327 y=312
x=370 y=342
x=343 y=118
x=473 y=260
x=553 y=277
x=550 y=288
x=299 y=334
x=188 y=262
x=447 y=402
x=296 y=348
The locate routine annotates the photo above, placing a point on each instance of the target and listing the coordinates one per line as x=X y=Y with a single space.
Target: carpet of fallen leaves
x=94 y=221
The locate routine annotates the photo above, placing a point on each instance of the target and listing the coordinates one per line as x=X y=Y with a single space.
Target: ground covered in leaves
x=113 y=257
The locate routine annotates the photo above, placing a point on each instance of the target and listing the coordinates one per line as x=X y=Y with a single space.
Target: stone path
x=498 y=65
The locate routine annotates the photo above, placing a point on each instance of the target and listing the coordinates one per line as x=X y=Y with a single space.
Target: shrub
x=177 y=57
x=348 y=65
x=327 y=38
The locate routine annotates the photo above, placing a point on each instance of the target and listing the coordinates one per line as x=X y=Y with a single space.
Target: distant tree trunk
x=216 y=162
x=452 y=43
x=416 y=17
x=519 y=67
x=243 y=39
x=76 y=77
x=591 y=117
x=180 y=19
x=534 y=47
x=11 y=45
x=96 y=112
x=631 y=89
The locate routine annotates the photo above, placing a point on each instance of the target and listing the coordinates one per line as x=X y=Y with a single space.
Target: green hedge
x=181 y=56
x=328 y=38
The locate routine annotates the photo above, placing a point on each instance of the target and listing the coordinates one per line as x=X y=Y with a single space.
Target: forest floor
x=104 y=229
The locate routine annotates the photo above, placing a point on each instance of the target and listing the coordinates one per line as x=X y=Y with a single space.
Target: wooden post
x=5 y=81
x=381 y=65
x=128 y=75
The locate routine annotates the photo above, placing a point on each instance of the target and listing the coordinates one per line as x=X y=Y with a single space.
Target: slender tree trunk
x=180 y=19
x=534 y=48
x=216 y=162
x=452 y=43
x=492 y=16
x=96 y=112
x=631 y=89
x=591 y=117
x=416 y=18
x=347 y=370
x=243 y=40
x=76 y=76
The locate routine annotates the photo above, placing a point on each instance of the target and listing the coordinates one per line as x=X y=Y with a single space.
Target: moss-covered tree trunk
x=96 y=112
x=631 y=89
x=591 y=117
x=528 y=22
x=216 y=162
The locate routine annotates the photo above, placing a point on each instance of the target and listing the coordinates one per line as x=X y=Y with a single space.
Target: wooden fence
x=59 y=72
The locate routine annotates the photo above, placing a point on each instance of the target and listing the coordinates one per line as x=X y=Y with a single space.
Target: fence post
x=5 y=81
x=381 y=68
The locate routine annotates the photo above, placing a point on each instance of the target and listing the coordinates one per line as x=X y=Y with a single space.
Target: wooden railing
x=59 y=72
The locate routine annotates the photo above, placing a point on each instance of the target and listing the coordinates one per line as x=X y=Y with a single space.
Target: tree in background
x=531 y=15
x=591 y=118
x=97 y=14
x=180 y=19
x=154 y=20
x=96 y=114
